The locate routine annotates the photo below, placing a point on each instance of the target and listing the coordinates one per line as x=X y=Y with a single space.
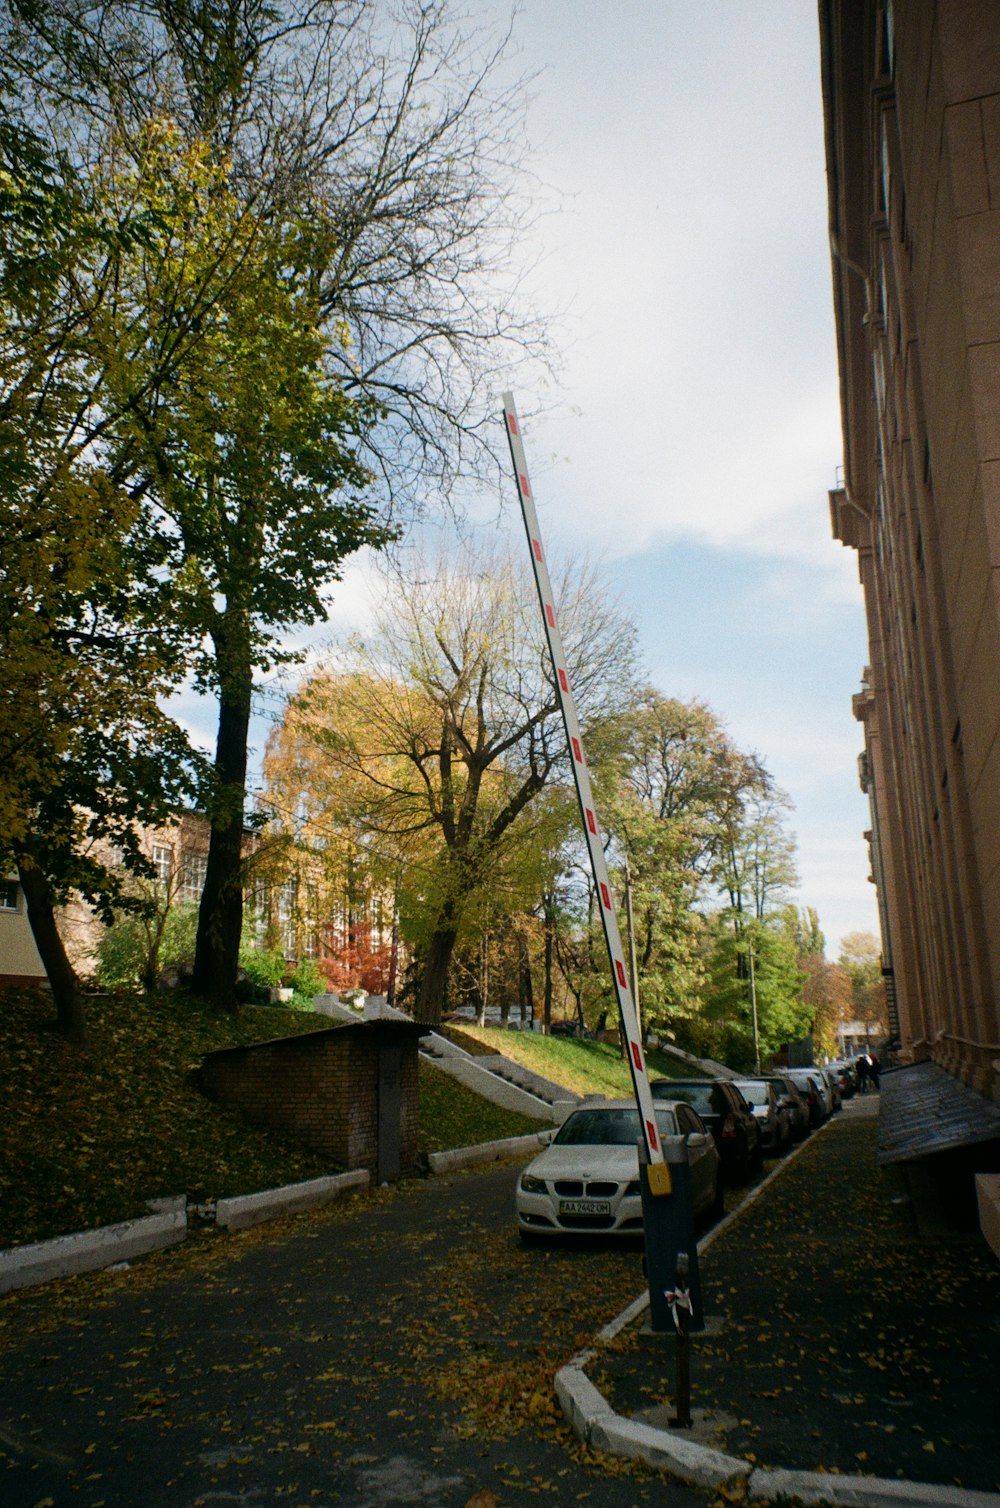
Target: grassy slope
x=86 y=1140
x=585 y=1067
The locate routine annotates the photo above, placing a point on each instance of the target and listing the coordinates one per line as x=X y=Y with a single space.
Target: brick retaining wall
x=322 y=1088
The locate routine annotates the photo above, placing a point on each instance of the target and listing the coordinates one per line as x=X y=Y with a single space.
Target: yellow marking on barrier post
x=660 y=1182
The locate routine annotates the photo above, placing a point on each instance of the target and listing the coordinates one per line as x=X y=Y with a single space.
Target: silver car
x=587 y=1179
x=811 y=1084
x=774 y=1120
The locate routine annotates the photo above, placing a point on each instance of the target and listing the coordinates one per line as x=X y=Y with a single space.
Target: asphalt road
x=398 y=1349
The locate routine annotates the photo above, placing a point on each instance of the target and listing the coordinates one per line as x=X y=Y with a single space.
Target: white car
x=587 y=1179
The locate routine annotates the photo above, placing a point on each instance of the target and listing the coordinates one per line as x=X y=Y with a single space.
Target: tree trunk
x=70 y=1016
x=526 y=991
x=432 y=995
x=220 y=916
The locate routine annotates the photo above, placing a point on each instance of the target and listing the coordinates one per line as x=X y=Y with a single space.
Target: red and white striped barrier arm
x=659 y=1172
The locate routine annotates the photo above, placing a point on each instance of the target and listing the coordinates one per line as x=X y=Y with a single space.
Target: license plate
x=585 y=1207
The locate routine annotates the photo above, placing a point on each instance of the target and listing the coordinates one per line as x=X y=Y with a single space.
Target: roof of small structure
x=924 y=1111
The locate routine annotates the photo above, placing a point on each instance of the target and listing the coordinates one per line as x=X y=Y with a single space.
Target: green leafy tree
x=754 y=867
x=781 y=1014
x=669 y=793
x=446 y=728
x=136 y=949
x=247 y=453
x=86 y=752
x=313 y=174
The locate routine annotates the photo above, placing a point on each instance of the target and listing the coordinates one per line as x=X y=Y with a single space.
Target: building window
x=285 y=899
x=10 y=899
x=193 y=872
x=163 y=863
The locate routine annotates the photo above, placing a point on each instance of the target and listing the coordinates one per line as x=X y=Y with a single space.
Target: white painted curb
x=593 y=1420
x=817 y=1489
x=90 y=1250
x=487 y=1151
x=244 y=1210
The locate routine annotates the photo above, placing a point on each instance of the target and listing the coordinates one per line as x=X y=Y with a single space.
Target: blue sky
x=699 y=429
x=694 y=430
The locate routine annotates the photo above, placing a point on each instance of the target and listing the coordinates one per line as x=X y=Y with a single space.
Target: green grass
x=585 y=1066
x=453 y=1116
x=86 y=1139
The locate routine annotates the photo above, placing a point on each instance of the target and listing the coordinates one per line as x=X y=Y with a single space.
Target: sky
x=695 y=430
x=700 y=431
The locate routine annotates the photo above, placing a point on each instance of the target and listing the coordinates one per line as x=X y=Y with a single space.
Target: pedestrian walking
x=874 y=1068
x=861 y=1067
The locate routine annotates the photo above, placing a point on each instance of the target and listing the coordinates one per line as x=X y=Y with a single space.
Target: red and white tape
x=659 y=1176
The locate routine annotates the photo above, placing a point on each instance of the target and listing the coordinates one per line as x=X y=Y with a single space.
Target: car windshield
x=599 y=1127
x=698 y=1095
x=754 y=1092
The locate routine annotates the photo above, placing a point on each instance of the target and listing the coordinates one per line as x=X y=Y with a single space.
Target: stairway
x=501 y=1080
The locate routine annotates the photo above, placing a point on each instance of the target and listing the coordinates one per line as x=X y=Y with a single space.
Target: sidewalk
x=837 y=1340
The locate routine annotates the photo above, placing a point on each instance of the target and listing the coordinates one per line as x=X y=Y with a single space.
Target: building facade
x=912 y=117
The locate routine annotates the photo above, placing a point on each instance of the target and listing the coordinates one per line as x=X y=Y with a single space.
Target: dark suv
x=726 y=1114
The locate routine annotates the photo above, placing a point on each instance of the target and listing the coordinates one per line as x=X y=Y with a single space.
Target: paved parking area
x=837 y=1338
x=399 y=1349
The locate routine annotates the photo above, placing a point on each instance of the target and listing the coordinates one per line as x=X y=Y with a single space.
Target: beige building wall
x=912 y=105
x=19 y=960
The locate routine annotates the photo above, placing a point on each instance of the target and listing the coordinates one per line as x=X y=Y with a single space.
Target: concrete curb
x=487 y=1151
x=595 y=1422
x=244 y=1210
x=817 y=1489
x=90 y=1250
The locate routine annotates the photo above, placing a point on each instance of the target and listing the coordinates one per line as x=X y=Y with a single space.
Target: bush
x=121 y=955
x=128 y=951
x=264 y=967
x=306 y=982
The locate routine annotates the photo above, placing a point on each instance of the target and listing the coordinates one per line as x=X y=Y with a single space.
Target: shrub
x=306 y=982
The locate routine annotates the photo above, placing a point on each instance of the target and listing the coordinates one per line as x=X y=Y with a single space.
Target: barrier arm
x=658 y=1168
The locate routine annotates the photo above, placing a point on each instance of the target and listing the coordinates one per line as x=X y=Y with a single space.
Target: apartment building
x=912 y=115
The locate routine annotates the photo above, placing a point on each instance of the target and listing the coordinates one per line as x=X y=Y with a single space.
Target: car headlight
x=532 y=1185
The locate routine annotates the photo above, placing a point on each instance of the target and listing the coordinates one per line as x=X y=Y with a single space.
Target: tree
x=861 y=959
x=671 y=792
x=776 y=993
x=446 y=725
x=754 y=868
x=826 y=990
x=339 y=170
x=246 y=450
x=85 y=749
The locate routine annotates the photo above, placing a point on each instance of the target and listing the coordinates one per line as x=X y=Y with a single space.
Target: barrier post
x=668 y=1228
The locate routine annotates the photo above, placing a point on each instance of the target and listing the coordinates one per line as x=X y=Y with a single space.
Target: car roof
x=708 y=1079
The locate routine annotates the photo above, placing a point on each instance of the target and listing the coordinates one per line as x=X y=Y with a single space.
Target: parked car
x=726 y=1114
x=833 y=1089
x=843 y=1073
x=587 y=1179
x=774 y=1120
x=793 y=1100
x=816 y=1093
